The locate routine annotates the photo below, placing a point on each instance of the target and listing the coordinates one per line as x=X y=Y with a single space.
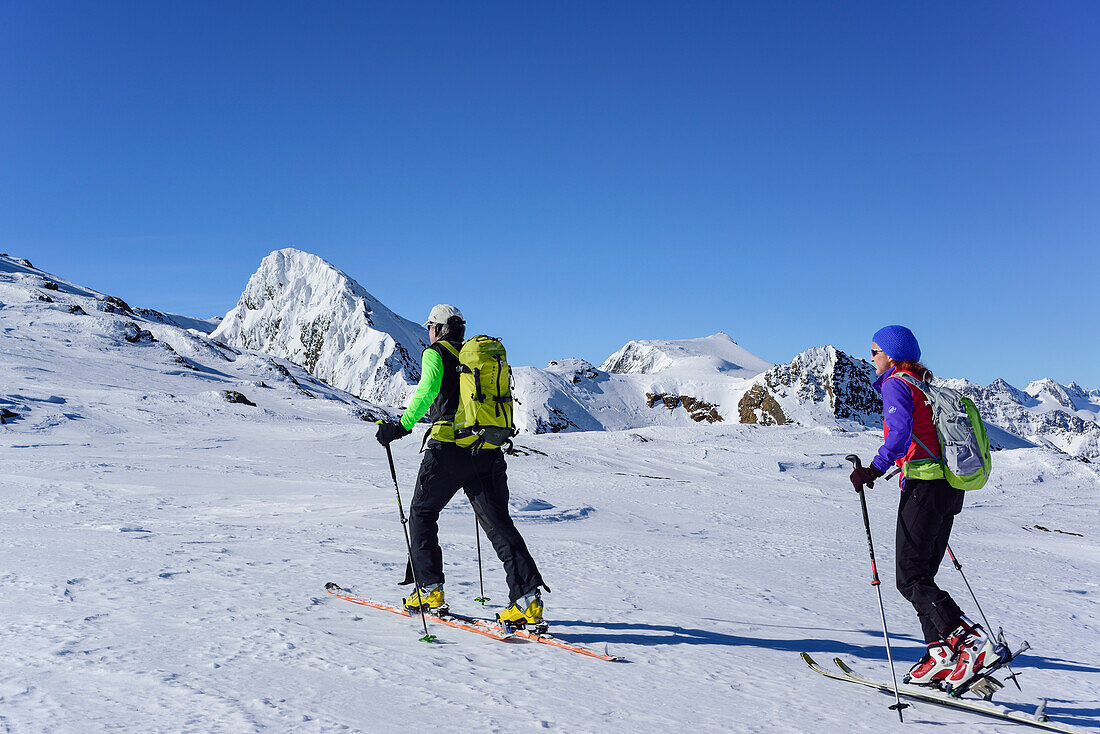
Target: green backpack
x=965 y=461
x=484 y=416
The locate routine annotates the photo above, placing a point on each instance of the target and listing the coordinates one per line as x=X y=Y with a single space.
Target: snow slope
x=165 y=553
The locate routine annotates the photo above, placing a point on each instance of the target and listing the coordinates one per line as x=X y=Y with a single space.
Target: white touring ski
x=1039 y=720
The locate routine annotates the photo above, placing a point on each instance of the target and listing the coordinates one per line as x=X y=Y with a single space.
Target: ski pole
x=408 y=544
x=959 y=568
x=477 y=534
x=898 y=706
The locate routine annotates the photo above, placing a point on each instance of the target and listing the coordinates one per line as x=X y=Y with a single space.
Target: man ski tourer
x=957 y=647
x=448 y=467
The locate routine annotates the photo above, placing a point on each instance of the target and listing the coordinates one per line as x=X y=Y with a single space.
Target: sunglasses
x=875 y=352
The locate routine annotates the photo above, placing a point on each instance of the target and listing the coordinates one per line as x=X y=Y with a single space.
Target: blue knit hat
x=898 y=342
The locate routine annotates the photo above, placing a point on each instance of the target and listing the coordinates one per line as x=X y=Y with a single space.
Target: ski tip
x=333 y=585
x=842 y=665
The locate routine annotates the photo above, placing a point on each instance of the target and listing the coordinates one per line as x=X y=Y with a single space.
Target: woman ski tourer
x=448 y=467
x=957 y=647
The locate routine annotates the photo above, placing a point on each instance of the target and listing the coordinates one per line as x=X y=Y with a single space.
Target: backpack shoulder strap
x=911 y=380
x=451 y=348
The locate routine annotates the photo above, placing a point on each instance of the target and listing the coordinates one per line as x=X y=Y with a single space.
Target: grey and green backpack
x=965 y=461
x=484 y=416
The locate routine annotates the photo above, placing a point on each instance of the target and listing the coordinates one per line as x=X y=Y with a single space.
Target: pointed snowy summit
x=299 y=307
x=717 y=353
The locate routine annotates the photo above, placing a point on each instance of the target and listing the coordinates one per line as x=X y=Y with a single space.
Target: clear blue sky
x=578 y=174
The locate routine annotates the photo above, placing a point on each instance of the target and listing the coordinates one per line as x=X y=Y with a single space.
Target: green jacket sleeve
x=431 y=379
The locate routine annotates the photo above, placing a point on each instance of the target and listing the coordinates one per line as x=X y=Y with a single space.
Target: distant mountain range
x=299 y=308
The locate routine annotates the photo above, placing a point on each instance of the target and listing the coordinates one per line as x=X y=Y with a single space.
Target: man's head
x=445 y=322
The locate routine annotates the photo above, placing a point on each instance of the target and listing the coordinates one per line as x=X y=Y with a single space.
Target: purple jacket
x=897 y=411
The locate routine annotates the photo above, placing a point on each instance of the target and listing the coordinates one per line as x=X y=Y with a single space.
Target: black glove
x=390 y=431
x=865 y=475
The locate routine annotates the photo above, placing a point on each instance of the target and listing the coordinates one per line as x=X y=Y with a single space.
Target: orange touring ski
x=486 y=627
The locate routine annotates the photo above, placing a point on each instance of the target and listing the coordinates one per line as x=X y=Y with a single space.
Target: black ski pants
x=445 y=469
x=925 y=516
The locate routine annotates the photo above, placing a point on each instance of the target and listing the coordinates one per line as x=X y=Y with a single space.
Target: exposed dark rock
x=760 y=407
x=5 y=414
x=51 y=286
x=581 y=370
x=369 y=415
x=180 y=359
x=313 y=338
x=558 y=421
x=112 y=304
x=698 y=410
x=232 y=396
x=43 y=298
x=77 y=310
x=136 y=335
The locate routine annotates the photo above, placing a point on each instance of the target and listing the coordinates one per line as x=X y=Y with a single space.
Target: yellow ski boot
x=523 y=612
x=429 y=598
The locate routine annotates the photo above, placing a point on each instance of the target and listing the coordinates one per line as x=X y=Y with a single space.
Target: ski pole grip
x=855 y=461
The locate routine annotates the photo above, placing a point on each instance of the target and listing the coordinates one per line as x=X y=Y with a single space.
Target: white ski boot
x=975 y=651
x=938 y=663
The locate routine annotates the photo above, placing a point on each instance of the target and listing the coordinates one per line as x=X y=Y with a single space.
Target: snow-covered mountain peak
x=574 y=368
x=1000 y=387
x=302 y=308
x=715 y=354
x=820 y=385
x=1046 y=389
x=303 y=275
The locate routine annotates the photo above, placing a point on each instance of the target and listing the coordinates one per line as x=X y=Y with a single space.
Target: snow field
x=172 y=581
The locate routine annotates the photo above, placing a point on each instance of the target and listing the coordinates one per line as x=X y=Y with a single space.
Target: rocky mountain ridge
x=820 y=384
x=299 y=308
x=1043 y=413
x=303 y=309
